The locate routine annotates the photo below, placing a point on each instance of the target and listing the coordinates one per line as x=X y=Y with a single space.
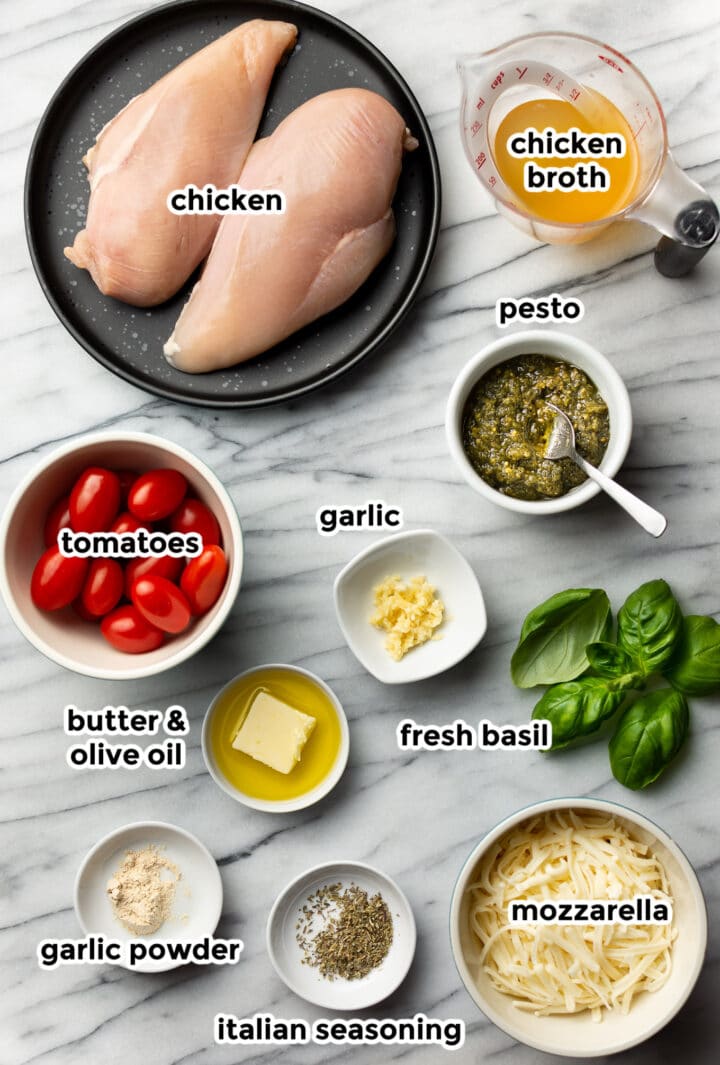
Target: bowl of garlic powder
x=149 y=880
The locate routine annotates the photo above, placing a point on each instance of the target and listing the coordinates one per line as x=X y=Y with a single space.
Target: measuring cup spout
x=469 y=65
x=681 y=210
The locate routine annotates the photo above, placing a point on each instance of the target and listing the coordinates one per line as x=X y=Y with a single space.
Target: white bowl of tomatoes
x=120 y=613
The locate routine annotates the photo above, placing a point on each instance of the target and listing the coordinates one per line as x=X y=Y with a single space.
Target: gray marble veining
x=378 y=433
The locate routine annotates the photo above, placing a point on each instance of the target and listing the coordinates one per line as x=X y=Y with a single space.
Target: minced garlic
x=408 y=612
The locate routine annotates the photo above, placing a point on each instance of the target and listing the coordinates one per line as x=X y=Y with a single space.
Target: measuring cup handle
x=686 y=216
x=674 y=258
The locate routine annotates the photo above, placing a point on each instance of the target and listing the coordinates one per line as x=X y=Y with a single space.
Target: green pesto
x=507 y=423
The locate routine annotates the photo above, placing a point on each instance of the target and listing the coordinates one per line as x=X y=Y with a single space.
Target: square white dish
x=421 y=552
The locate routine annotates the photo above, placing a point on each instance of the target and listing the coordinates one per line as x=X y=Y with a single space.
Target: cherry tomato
x=81 y=612
x=156 y=494
x=203 y=579
x=57 y=580
x=126 y=523
x=194 y=516
x=58 y=518
x=127 y=479
x=161 y=603
x=127 y=630
x=151 y=566
x=103 y=586
x=94 y=500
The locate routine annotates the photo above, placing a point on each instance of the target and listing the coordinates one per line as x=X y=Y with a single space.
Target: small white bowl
x=198 y=895
x=577 y=1035
x=406 y=555
x=64 y=637
x=279 y=806
x=339 y=994
x=568 y=349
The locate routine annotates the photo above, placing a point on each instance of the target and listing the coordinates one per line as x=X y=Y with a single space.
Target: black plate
x=129 y=340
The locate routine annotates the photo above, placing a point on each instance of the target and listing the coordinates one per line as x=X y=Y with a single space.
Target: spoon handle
x=651 y=520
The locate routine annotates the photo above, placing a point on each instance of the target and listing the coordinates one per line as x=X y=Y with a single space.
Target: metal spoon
x=561 y=445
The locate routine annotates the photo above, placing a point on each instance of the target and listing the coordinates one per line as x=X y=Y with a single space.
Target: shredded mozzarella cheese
x=551 y=969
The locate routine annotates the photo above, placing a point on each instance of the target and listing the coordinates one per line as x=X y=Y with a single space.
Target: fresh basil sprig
x=649 y=625
x=653 y=640
x=555 y=634
x=648 y=736
x=695 y=667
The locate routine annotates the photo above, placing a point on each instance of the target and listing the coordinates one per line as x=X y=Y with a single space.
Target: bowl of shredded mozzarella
x=578 y=927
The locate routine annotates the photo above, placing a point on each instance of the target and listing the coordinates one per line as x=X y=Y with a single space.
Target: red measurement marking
x=521 y=73
x=498 y=80
x=480 y=160
x=480 y=104
x=639 y=130
x=560 y=84
x=574 y=93
x=611 y=63
x=548 y=78
x=492 y=181
x=475 y=128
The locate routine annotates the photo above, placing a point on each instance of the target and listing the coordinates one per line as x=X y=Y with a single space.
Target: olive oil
x=254 y=778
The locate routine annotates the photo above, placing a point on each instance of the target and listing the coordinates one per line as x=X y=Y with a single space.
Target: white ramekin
x=560 y=346
x=308 y=798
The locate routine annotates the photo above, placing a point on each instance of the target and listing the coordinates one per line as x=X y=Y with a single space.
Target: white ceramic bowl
x=560 y=346
x=64 y=637
x=339 y=994
x=578 y=1036
x=198 y=895
x=411 y=554
x=279 y=806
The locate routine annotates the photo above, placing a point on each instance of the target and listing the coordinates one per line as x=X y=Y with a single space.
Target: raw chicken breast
x=337 y=160
x=194 y=125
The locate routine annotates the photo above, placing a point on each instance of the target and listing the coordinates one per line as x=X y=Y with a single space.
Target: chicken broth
x=507 y=423
x=558 y=204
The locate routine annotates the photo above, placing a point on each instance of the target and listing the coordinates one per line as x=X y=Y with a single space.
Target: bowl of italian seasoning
x=342 y=936
x=498 y=421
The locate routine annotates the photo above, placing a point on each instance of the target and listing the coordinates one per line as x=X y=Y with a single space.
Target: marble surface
x=376 y=434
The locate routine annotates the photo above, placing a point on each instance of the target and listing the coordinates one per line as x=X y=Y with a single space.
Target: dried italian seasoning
x=344 y=932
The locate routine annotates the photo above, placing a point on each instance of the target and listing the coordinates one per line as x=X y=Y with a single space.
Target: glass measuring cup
x=571 y=67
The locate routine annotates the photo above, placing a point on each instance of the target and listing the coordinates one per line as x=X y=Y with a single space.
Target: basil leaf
x=650 y=625
x=609 y=660
x=695 y=667
x=555 y=634
x=577 y=708
x=648 y=736
x=548 y=610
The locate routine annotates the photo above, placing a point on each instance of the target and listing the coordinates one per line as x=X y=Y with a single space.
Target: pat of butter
x=274 y=733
